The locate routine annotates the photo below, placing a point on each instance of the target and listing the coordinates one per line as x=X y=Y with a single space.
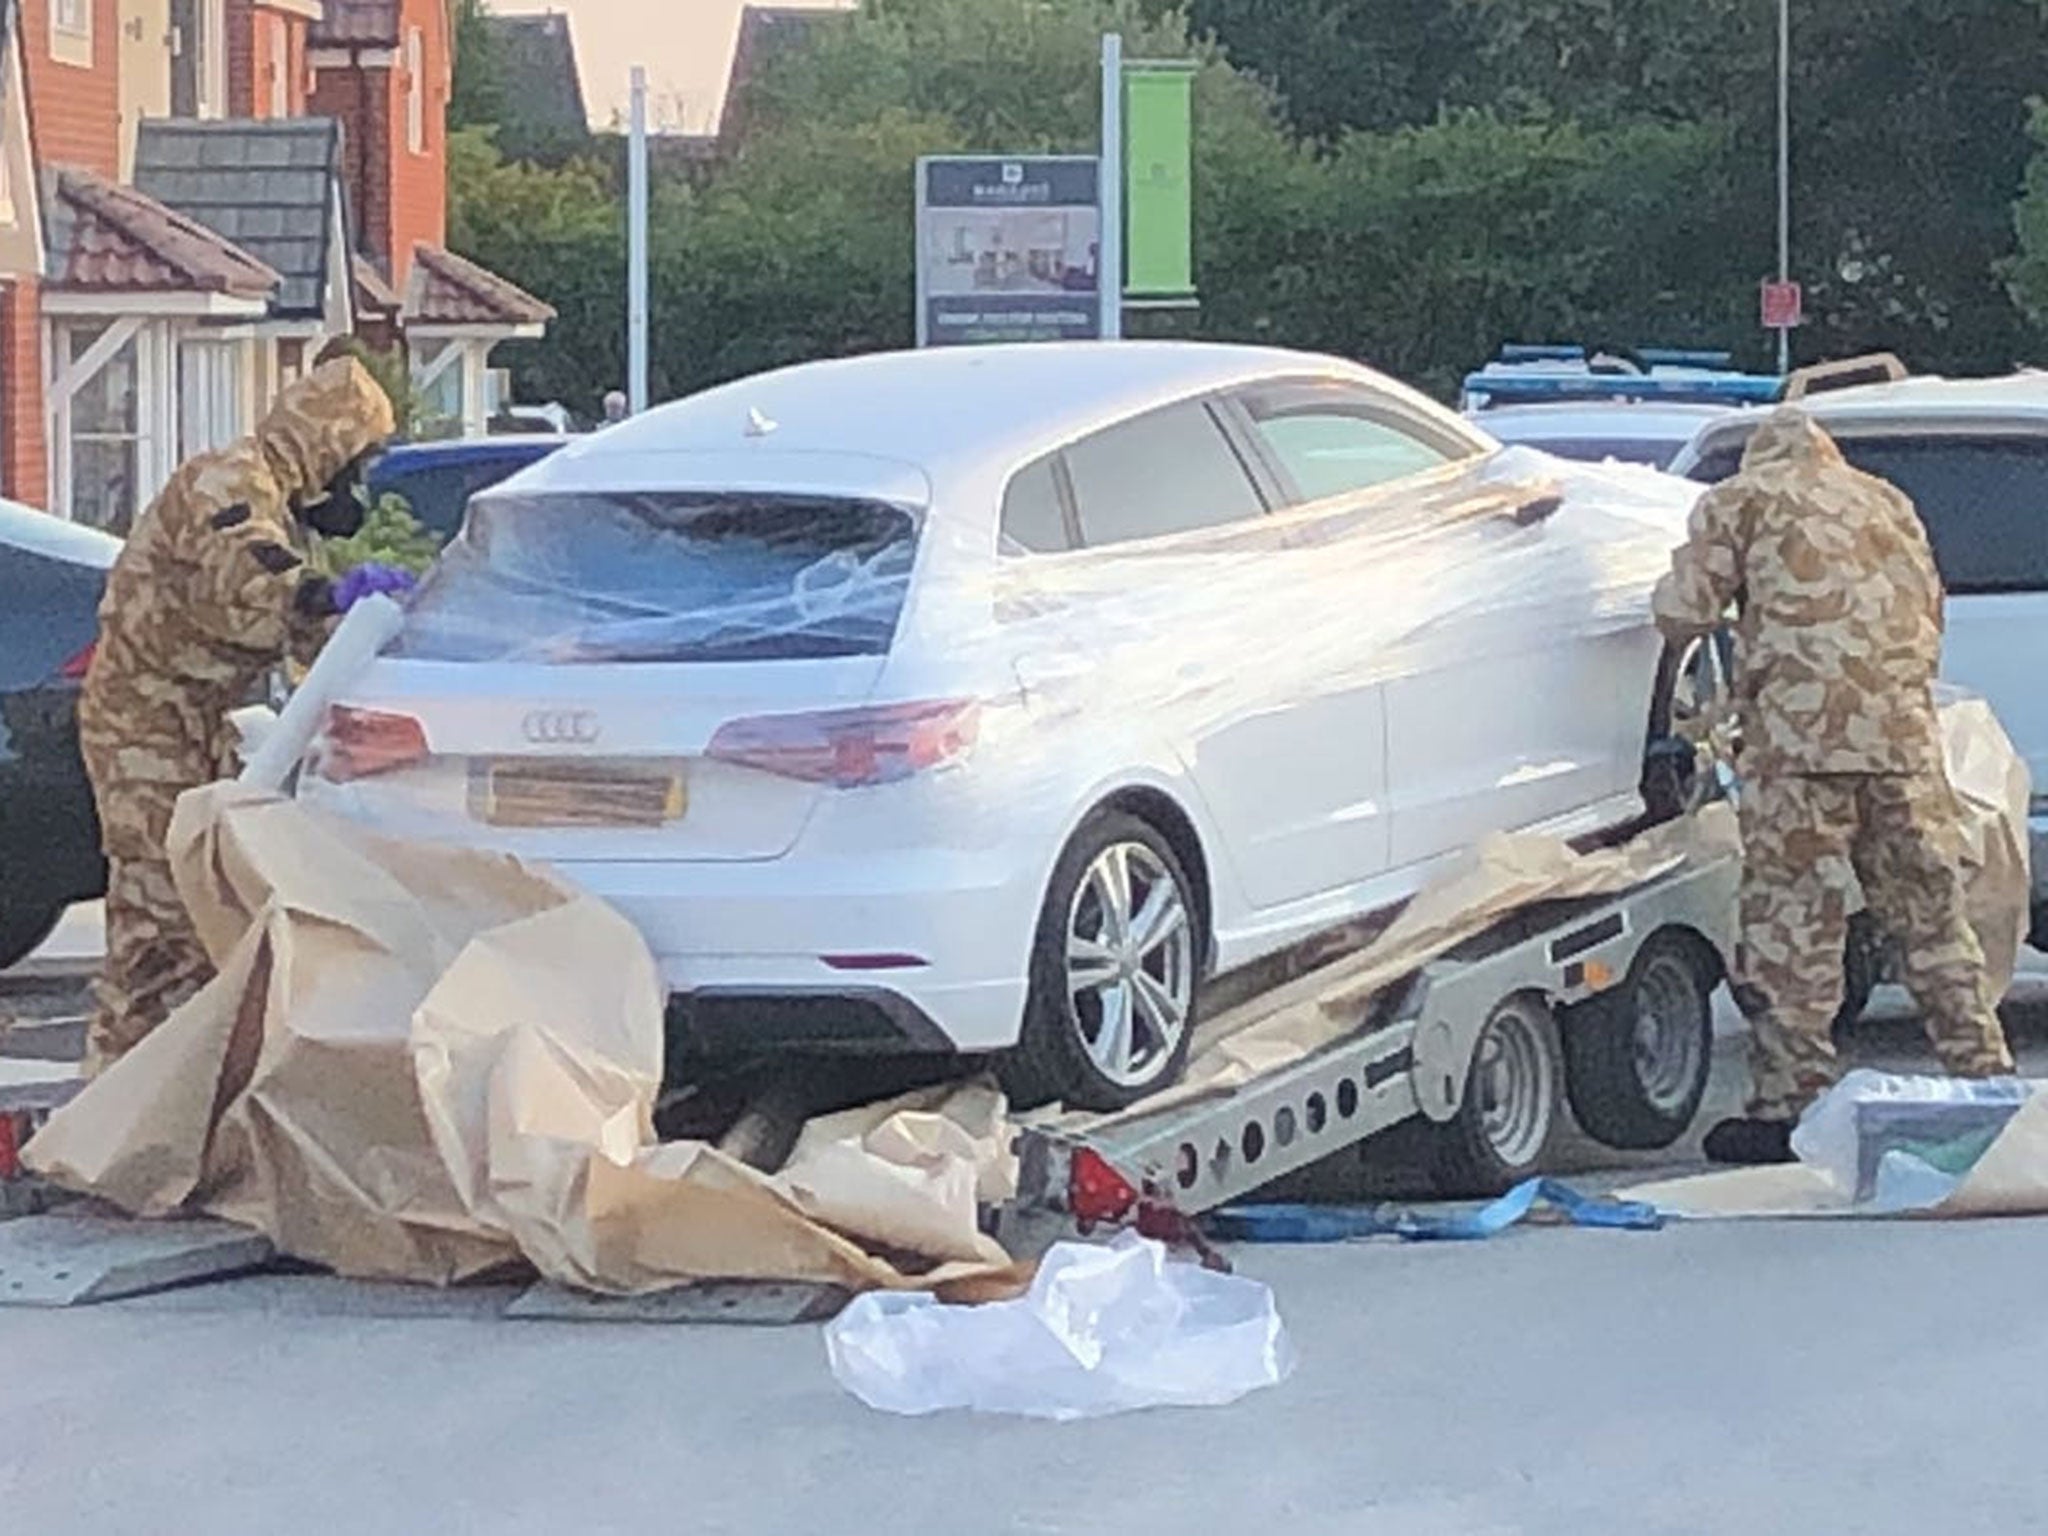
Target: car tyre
x=1116 y=971
x=1637 y=1057
x=1505 y=1128
x=23 y=929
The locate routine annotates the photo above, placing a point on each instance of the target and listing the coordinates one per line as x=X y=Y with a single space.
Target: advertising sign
x=1008 y=249
x=1158 y=207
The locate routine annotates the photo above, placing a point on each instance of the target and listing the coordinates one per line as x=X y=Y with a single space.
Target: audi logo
x=561 y=727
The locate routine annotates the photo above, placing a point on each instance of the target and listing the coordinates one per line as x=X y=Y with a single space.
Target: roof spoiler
x=1849 y=373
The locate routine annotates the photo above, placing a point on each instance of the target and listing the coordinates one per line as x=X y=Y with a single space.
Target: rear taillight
x=74 y=670
x=849 y=748
x=359 y=743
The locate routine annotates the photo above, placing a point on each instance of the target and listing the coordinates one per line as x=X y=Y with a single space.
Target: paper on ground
x=2010 y=1179
x=426 y=1063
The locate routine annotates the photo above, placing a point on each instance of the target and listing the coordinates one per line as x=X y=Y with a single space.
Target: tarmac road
x=1772 y=1377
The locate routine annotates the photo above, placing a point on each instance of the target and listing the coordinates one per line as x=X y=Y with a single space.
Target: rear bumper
x=731 y=1021
x=922 y=951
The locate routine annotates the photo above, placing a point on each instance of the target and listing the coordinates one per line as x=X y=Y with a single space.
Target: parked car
x=1630 y=432
x=51 y=576
x=1638 y=408
x=990 y=700
x=437 y=479
x=1973 y=455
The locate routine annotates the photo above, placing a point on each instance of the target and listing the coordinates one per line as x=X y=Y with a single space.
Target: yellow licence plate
x=523 y=792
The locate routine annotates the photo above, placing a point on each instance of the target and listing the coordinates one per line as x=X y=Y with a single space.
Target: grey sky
x=686 y=46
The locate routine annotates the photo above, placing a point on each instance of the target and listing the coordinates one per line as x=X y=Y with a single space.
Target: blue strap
x=1343 y=1223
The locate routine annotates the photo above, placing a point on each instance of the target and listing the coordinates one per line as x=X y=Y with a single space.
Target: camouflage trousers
x=154 y=960
x=1809 y=841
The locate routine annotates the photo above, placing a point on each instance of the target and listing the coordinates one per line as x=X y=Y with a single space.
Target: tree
x=477 y=97
x=558 y=232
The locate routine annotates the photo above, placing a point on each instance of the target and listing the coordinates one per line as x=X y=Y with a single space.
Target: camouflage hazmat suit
x=1838 y=642
x=209 y=592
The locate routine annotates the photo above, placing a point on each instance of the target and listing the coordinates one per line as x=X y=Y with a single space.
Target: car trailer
x=1605 y=1001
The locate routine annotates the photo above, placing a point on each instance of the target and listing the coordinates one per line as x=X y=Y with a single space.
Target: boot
x=1750 y=1141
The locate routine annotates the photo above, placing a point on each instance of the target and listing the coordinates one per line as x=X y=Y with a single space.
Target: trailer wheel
x=1637 y=1057
x=1503 y=1131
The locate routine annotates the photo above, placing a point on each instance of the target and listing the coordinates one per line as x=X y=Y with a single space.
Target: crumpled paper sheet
x=430 y=1064
x=1991 y=782
x=2010 y=1179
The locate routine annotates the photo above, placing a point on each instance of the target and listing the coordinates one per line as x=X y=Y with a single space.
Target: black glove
x=315 y=599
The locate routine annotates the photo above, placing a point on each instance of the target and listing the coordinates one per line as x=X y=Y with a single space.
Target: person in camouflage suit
x=1838 y=642
x=211 y=590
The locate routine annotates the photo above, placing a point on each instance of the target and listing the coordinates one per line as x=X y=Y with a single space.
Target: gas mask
x=337 y=509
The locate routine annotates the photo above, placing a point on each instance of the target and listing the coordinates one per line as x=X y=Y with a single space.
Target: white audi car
x=992 y=700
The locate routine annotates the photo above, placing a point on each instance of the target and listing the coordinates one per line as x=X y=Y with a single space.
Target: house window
x=105 y=436
x=210 y=413
x=199 y=62
x=280 y=69
x=415 y=92
x=71 y=32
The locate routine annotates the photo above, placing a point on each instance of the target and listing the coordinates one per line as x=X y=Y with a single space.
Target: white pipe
x=1110 y=188
x=636 y=249
x=368 y=627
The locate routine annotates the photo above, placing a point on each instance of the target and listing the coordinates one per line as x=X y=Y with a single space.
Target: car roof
x=1654 y=420
x=43 y=533
x=1923 y=402
x=939 y=409
x=459 y=450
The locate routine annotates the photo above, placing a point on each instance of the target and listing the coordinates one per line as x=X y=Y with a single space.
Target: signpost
x=1008 y=249
x=1036 y=247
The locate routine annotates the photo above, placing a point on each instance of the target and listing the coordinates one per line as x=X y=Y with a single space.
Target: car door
x=1983 y=496
x=1486 y=717
x=1164 y=612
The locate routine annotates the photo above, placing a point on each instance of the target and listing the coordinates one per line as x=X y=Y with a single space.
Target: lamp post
x=636 y=247
x=1784 y=171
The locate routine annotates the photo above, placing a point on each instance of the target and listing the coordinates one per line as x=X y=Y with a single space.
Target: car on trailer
x=993 y=700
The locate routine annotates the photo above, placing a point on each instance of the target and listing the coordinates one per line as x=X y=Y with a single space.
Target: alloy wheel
x=1130 y=963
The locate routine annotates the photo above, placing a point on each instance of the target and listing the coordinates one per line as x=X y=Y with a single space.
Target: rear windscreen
x=1984 y=500
x=665 y=576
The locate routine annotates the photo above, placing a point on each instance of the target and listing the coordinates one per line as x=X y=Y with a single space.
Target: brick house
x=195 y=197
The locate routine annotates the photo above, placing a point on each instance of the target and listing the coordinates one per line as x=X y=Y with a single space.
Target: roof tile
x=448 y=289
x=111 y=238
x=270 y=187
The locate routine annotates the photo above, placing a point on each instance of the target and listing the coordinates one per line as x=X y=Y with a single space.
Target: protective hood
x=1790 y=439
x=322 y=423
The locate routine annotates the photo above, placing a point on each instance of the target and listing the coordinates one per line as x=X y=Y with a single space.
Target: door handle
x=1532 y=510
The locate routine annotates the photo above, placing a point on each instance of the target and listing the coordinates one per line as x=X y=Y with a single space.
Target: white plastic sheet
x=1523 y=551
x=1900 y=1143
x=1103 y=1330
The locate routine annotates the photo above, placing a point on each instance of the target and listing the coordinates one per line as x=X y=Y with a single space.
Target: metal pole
x=1110 y=184
x=1784 y=170
x=636 y=250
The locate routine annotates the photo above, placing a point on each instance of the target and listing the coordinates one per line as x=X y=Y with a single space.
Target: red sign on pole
x=1784 y=306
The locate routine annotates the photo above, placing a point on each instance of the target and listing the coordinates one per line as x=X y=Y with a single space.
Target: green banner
x=1158 y=191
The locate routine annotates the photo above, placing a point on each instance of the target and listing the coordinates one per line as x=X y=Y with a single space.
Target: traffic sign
x=1784 y=306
